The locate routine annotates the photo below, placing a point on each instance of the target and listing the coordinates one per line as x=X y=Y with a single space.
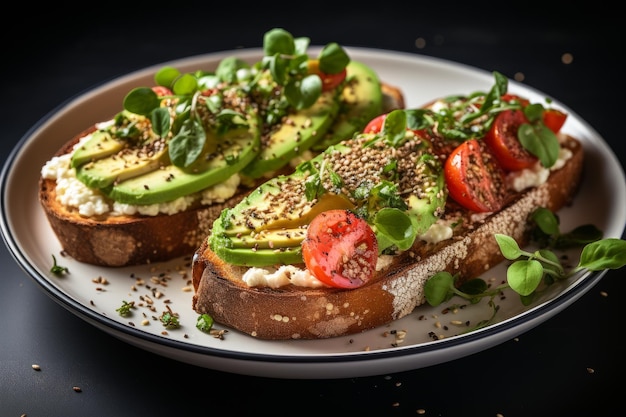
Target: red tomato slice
x=502 y=140
x=474 y=178
x=554 y=119
x=340 y=249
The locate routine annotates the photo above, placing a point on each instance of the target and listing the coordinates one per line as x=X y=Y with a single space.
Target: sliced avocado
x=237 y=149
x=100 y=145
x=269 y=225
x=298 y=134
x=126 y=163
x=360 y=101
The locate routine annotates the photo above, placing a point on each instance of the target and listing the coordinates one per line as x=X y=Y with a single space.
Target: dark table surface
x=568 y=365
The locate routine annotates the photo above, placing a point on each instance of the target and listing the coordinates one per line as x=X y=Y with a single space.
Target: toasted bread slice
x=140 y=239
x=293 y=312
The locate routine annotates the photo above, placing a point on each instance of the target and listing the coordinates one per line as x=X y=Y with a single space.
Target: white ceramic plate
x=83 y=292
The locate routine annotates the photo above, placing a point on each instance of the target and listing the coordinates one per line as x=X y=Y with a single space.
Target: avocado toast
x=146 y=185
x=256 y=271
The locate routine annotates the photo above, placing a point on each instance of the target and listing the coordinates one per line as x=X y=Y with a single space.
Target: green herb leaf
x=604 y=254
x=438 y=288
x=304 y=93
x=160 y=119
x=475 y=286
x=580 y=236
x=508 y=246
x=187 y=145
x=394 y=127
x=57 y=269
x=141 y=100
x=228 y=67
x=278 y=41
x=546 y=220
x=524 y=276
x=169 y=320
x=186 y=84
x=166 y=76
x=126 y=308
x=540 y=141
x=333 y=59
x=204 y=322
x=396 y=226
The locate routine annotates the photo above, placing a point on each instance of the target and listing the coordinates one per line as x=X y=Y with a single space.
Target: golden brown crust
x=128 y=240
x=302 y=313
x=133 y=240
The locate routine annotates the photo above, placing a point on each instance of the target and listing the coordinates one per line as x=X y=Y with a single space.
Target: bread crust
x=303 y=313
x=128 y=240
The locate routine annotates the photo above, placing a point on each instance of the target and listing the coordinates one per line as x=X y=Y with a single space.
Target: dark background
x=55 y=53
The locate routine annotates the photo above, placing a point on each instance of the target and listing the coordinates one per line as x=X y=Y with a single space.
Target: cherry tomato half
x=329 y=81
x=376 y=124
x=474 y=178
x=503 y=141
x=508 y=97
x=554 y=119
x=340 y=249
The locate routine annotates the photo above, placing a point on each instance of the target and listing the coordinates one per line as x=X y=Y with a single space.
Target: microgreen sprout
x=169 y=319
x=204 y=323
x=126 y=308
x=58 y=269
x=530 y=273
x=284 y=68
x=479 y=110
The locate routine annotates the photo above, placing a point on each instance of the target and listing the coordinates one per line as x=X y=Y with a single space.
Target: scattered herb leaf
x=169 y=319
x=530 y=269
x=125 y=309
x=58 y=269
x=204 y=323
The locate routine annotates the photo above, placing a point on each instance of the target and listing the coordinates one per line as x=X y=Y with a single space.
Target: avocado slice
x=268 y=226
x=361 y=100
x=237 y=148
x=99 y=145
x=302 y=129
x=103 y=142
x=122 y=165
x=129 y=162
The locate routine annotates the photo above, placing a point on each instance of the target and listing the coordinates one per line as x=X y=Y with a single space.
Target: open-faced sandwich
x=147 y=185
x=347 y=241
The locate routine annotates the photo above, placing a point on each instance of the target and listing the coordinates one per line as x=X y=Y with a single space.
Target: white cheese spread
x=537 y=174
x=290 y=274
x=276 y=278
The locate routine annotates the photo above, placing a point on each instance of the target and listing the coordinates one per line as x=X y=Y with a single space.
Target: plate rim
x=531 y=318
